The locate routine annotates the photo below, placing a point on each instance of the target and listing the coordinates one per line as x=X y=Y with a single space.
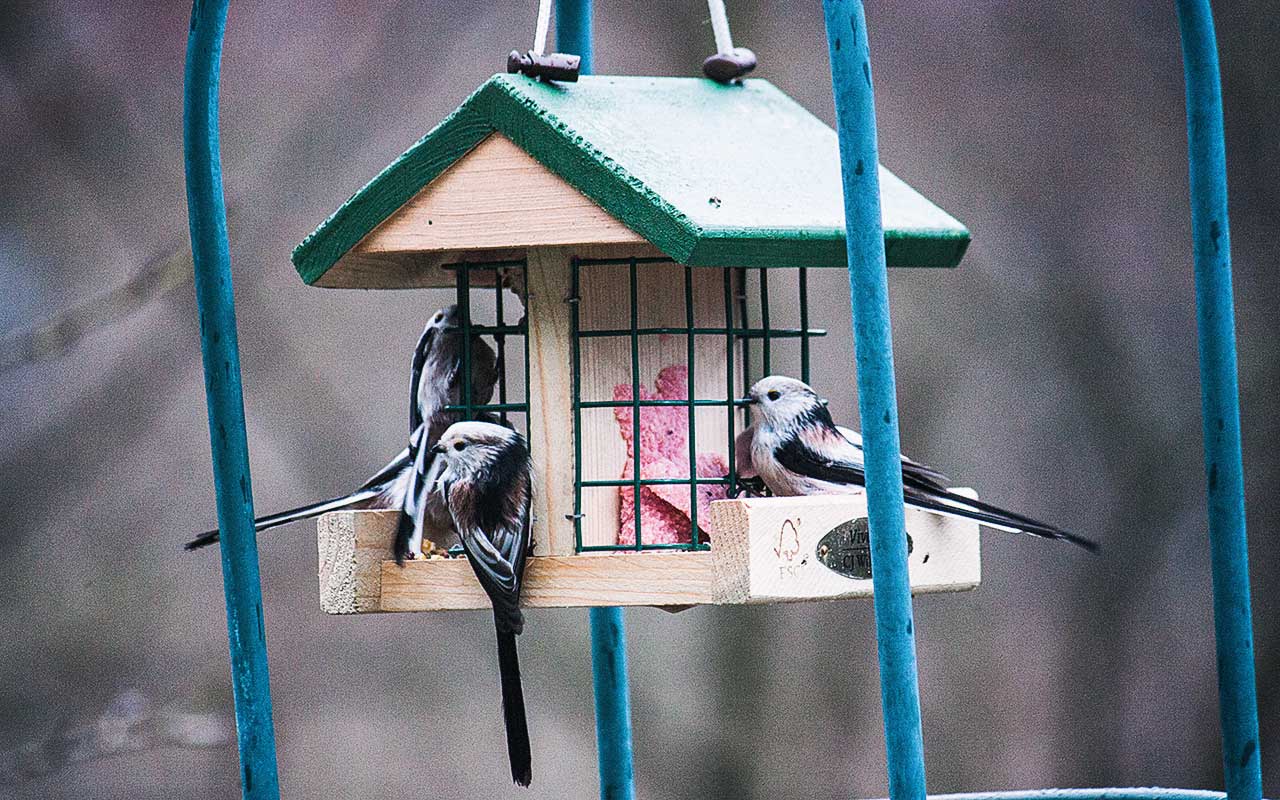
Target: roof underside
x=712 y=175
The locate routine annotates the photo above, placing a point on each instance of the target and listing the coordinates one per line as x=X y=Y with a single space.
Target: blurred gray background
x=1055 y=370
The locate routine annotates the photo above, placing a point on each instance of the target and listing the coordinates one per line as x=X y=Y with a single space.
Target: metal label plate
x=846 y=549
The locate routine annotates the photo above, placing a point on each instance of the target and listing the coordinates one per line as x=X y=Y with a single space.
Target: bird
x=438 y=355
x=795 y=448
x=433 y=385
x=487 y=484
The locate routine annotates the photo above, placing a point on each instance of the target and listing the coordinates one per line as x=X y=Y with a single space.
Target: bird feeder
x=639 y=222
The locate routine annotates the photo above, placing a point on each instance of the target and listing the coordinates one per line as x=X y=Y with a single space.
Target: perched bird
x=434 y=383
x=487 y=485
x=438 y=356
x=796 y=449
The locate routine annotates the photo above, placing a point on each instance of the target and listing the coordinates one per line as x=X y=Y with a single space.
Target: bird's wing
x=911 y=470
x=484 y=372
x=497 y=555
x=415 y=376
x=823 y=454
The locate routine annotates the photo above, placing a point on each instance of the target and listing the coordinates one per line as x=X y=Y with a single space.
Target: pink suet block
x=664 y=453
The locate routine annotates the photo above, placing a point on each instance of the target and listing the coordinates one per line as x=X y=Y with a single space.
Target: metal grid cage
x=505 y=274
x=738 y=334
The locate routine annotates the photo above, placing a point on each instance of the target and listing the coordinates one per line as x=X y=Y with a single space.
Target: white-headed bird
x=487 y=485
x=796 y=449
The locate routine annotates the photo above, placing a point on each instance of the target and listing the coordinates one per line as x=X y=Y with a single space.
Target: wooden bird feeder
x=637 y=221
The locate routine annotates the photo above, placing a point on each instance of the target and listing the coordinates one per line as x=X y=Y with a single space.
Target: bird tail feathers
x=993 y=516
x=513 y=714
x=302 y=512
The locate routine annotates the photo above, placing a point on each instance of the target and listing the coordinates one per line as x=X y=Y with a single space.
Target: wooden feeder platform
x=765 y=550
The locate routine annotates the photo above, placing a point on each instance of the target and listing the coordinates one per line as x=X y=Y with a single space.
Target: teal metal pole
x=613 y=704
x=1220 y=404
x=573 y=30
x=877 y=400
x=608 y=634
x=207 y=215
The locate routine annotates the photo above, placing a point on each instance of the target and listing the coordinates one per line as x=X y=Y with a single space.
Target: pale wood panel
x=594 y=579
x=352 y=548
x=415 y=270
x=547 y=278
x=746 y=564
x=767 y=548
x=606 y=364
x=496 y=196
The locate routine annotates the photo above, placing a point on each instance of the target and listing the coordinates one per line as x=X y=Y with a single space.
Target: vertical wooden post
x=1220 y=404
x=207 y=215
x=877 y=400
x=551 y=428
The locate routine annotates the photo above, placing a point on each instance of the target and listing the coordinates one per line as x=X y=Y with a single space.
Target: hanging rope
x=540 y=32
x=720 y=26
x=728 y=63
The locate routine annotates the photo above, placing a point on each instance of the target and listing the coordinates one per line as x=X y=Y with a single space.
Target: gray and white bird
x=438 y=356
x=487 y=484
x=795 y=448
x=434 y=383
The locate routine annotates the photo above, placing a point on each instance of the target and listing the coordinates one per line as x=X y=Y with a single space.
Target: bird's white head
x=471 y=448
x=779 y=401
x=448 y=318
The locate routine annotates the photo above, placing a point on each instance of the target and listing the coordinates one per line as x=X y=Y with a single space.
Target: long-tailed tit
x=796 y=449
x=487 y=485
x=434 y=385
x=435 y=382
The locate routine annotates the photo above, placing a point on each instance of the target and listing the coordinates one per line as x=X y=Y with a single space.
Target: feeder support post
x=573 y=31
x=208 y=221
x=877 y=400
x=1220 y=404
x=608 y=634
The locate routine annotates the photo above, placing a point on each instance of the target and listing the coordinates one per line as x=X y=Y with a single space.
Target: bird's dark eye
x=774 y=394
x=459 y=445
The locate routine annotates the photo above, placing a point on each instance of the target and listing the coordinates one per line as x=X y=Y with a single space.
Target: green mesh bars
x=502 y=271
x=737 y=333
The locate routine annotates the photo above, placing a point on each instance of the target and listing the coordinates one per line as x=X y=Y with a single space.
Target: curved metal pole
x=608 y=633
x=207 y=216
x=1220 y=403
x=877 y=399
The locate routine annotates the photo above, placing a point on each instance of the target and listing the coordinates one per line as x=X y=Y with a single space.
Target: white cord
x=720 y=26
x=544 y=20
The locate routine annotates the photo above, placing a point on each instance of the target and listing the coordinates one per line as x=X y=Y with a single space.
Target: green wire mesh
x=735 y=331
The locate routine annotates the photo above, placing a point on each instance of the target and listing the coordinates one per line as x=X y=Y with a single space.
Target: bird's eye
x=459 y=445
x=774 y=394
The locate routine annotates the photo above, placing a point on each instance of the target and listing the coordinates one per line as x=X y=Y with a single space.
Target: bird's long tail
x=968 y=508
x=302 y=512
x=513 y=709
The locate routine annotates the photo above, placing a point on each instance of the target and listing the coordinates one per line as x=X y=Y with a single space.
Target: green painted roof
x=712 y=175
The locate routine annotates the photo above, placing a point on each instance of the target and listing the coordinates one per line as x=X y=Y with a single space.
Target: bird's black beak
x=749 y=400
x=438 y=449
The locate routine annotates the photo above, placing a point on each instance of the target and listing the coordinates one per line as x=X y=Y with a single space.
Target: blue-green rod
x=1220 y=404
x=216 y=303
x=608 y=637
x=877 y=401
x=573 y=30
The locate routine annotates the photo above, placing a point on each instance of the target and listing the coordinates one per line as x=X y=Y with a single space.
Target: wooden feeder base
x=765 y=550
